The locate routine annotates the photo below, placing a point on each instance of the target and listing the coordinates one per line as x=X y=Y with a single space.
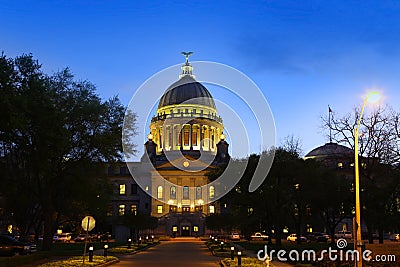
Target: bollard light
x=91 y=254
x=129 y=243
x=105 y=250
x=239 y=258
x=232 y=253
x=222 y=245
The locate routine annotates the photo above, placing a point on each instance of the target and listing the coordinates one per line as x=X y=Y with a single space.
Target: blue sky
x=304 y=55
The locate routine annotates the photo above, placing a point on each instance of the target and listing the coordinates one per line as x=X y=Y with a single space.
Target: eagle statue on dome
x=187 y=54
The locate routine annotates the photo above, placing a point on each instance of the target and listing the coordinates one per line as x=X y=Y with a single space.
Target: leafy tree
x=53 y=138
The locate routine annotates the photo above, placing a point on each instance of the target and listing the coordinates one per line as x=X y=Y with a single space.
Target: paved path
x=180 y=252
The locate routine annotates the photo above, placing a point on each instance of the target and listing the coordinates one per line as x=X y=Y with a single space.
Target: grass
x=59 y=250
x=389 y=248
x=246 y=262
x=77 y=261
x=125 y=250
x=255 y=246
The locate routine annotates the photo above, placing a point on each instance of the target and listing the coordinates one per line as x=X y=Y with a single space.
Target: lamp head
x=373 y=97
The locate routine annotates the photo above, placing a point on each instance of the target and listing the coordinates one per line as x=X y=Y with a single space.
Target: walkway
x=180 y=252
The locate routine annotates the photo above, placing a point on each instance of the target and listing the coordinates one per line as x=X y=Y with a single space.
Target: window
x=212 y=192
x=134 y=209
x=186 y=138
x=134 y=189
x=122 y=189
x=174 y=228
x=159 y=192
x=186 y=192
x=172 y=193
x=121 y=210
x=172 y=208
x=146 y=205
x=110 y=170
x=194 y=138
x=198 y=192
x=159 y=209
x=340 y=165
x=195 y=228
x=211 y=209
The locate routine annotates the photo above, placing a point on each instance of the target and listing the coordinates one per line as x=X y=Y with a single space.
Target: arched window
x=211 y=192
x=159 y=192
x=186 y=192
x=172 y=193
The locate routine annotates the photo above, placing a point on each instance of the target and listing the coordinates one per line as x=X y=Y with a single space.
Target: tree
x=55 y=135
x=379 y=149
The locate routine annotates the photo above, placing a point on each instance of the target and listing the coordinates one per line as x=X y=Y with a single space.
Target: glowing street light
x=372 y=97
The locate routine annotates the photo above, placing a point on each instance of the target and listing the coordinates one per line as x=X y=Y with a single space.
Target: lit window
x=172 y=193
x=194 y=138
x=122 y=189
x=195 y=228
x=364 y=165
x=174 y=229
x=212 y=209
x=186 y=138
x=134 y=209
x=159 y=192
x=212 y=191
x=340 y=165
x=159 y=209
x=121 y=210
x=186 y=192
x=147 y=188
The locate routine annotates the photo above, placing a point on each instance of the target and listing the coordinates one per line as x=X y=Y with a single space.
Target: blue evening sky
x=304 y=55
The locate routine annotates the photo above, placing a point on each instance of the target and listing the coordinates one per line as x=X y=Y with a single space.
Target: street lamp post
x=371 y=97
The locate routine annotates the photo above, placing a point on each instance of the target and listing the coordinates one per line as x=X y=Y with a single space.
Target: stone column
x=191 y=136
x=201 y=137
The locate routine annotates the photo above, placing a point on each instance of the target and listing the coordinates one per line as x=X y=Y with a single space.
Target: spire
x=187 y=69
x=329 y=121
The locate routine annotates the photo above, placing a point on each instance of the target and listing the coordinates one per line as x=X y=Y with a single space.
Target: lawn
x=59 y=251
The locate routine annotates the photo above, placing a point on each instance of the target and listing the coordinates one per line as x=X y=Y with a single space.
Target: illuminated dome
x=186 y=118
x=187 y=91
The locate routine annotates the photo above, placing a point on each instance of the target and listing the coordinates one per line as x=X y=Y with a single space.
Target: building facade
x=186 y=141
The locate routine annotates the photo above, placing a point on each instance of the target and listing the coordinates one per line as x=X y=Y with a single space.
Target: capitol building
x=185 y=142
